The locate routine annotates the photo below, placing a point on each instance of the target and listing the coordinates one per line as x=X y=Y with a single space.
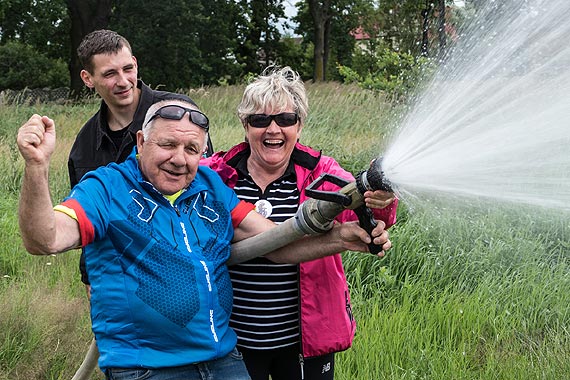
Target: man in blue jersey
x=111 y=69
x=156 y=230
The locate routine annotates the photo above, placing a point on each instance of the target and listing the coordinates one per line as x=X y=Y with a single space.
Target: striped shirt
x=266 y=296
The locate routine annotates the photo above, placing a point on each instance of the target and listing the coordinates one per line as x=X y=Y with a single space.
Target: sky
x=290 y=11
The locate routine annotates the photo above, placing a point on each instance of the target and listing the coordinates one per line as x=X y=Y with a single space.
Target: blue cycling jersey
x=161 y=295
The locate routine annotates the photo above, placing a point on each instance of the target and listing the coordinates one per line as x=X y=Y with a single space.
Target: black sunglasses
x=176 y=112
x=261 y=120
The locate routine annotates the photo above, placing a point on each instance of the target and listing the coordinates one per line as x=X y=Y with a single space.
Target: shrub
x=24 y=67
x=395 y=73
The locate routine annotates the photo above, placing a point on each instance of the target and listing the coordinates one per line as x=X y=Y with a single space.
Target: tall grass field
x=468 y=291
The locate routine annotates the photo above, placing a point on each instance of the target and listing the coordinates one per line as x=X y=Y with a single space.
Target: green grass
x=469 y=290
x=481 y=294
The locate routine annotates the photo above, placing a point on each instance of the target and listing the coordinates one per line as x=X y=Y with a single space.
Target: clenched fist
x=36 y=140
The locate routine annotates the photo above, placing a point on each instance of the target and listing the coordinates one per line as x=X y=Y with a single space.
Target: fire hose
x=314 y=216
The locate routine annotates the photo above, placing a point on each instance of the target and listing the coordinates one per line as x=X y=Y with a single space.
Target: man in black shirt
x=110 y=68
x=109 y=136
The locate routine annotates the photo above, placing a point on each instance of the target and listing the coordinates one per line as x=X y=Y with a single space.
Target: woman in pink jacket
x=290 y=319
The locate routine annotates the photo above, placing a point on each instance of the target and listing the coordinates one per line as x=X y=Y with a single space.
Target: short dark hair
x=101 y=41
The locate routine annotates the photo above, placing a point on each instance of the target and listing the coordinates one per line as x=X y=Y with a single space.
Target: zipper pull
x=348 y=307
x=302 y=363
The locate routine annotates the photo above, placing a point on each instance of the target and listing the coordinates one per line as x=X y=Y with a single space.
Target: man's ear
x=86 y=78
x=140 y=140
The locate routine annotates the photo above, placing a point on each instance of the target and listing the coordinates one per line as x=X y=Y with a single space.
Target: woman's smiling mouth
x=273 y=143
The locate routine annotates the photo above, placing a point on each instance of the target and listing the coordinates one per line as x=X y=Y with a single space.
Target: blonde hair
x=275 y=88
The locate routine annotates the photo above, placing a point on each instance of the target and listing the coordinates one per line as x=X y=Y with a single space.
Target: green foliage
x=219 y=36
x=24 y=67
x=206 y=42
x=259 y=33
x=397 y=24
x=292 y=52
x=338 y=18
x=395 y=73
x=168 y=41
x=42 y=24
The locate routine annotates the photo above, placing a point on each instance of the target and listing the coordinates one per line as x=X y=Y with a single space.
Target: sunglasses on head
x=176 y=112
x=261 y=120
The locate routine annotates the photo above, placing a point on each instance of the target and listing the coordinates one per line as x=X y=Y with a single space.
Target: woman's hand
x=378 y=198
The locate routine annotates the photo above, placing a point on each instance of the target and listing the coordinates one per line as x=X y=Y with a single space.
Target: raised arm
x=44 y=231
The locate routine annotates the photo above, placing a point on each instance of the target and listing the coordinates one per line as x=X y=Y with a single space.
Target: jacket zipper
x=301 y=357
x=207 y=276
x=307 y=180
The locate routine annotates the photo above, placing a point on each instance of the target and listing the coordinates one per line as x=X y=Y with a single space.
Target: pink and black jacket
x=327 y=323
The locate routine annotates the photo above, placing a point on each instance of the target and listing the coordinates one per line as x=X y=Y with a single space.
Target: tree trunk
x=326 y=47
x=441 y=28
x=425 y=30
x=320 y=12
x=86 y=16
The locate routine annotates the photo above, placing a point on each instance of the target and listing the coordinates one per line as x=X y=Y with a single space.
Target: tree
x=271 y=36
x=292 y=53
x=86 y=16
x=328 y=24
x=416 y=27
x=34 y=43
x=167 y=43
x=41 y=24
x=348 y=17
x=321 y=13
x=259 y=33
x=441 y=27
x=22 y=66
x=425 y=29
x=398 y=24
x=218 y=39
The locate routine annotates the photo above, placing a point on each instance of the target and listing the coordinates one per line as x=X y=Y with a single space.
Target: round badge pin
x=263 y=207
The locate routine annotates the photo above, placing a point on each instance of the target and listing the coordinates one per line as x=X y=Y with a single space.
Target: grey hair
x=275 y=88
x=148 y=124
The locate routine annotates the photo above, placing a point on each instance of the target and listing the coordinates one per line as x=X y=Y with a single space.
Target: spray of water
x=495 y=120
